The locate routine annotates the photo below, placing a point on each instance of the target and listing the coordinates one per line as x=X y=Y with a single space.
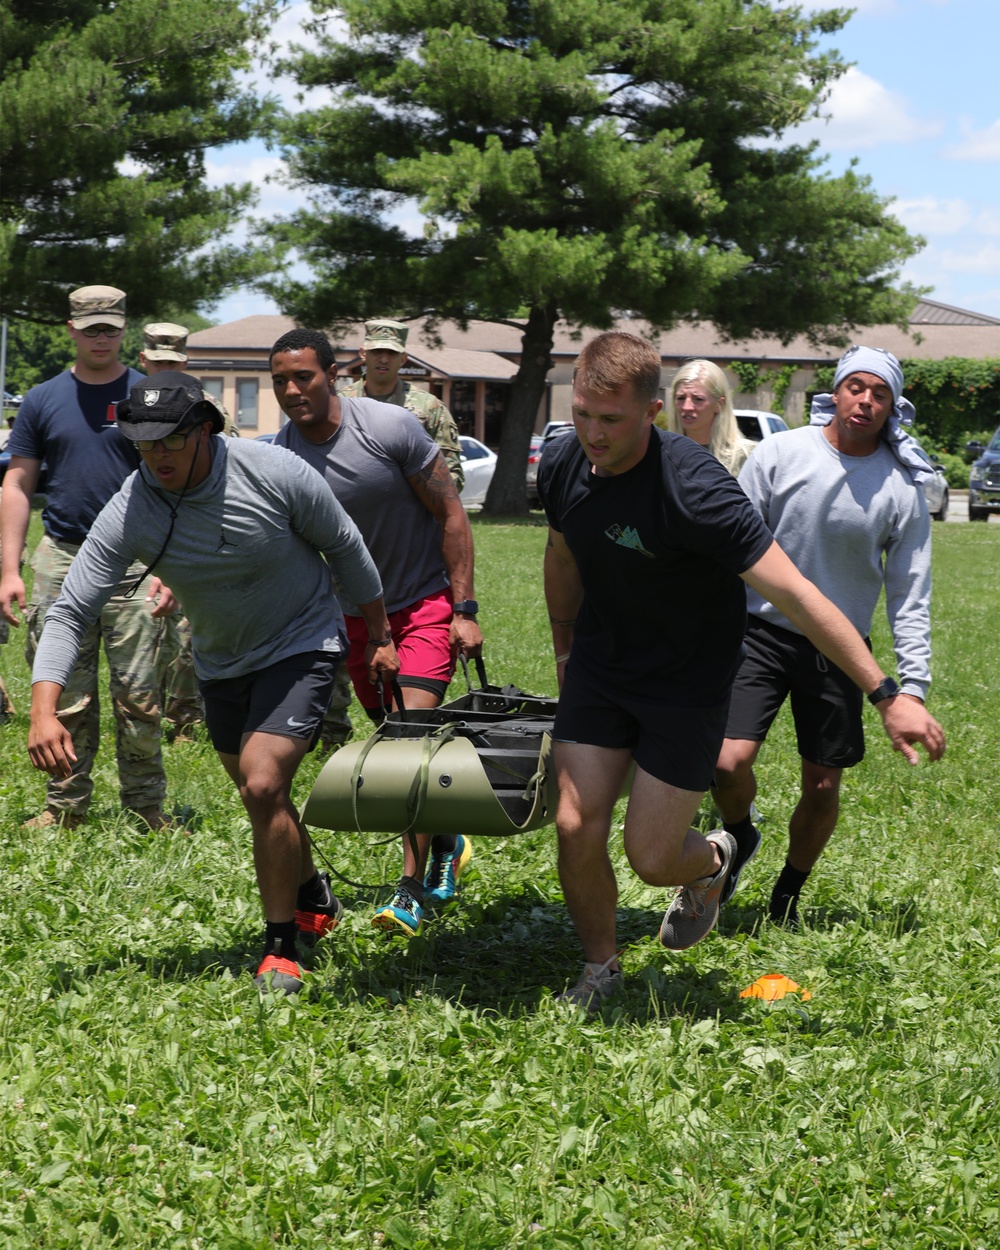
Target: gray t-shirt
x=243 y=559
x=366 y=464
x=851 y=524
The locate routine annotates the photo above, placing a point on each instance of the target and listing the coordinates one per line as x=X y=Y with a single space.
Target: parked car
x=12 y=401
x=984 y=479
x=553 y=428
x=531 y=478
x=478 y=463
x=757 y=425
x=935 y=488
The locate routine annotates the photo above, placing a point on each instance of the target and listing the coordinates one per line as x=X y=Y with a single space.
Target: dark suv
x=984 y=479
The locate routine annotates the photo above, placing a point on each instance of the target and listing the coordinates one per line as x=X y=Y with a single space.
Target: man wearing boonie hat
x=248 y=535
x=69 y=423
x=842 y=496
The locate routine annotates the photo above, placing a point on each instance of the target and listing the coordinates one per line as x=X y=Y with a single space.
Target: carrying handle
x=397 y=694
x=480 y=671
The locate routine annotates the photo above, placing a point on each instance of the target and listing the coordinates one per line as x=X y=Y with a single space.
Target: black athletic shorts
x=677 y=745
x=826 y=704
x=288 y=698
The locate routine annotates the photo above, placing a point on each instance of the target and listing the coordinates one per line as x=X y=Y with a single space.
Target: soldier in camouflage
x=384 y=354
x=164 y=346
x=69 y=422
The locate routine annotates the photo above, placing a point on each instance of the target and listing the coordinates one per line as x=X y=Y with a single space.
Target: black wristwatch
x=884 y=690
x=467 y=607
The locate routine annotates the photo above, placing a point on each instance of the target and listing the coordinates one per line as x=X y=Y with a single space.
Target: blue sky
x=920 y=111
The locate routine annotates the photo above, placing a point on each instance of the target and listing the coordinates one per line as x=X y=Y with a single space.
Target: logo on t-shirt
x=627 y=537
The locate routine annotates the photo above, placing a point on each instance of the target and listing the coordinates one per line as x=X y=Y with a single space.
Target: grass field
x=431 y=1094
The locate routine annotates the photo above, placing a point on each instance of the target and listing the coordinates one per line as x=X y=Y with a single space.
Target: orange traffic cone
x=774 y=986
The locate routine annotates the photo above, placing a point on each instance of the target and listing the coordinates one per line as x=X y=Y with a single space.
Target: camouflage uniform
x=432 y=415
x=136 y=646
x=164 y=345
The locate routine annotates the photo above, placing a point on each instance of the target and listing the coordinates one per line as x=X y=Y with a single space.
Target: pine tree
x=107 y=108
x=580 y=160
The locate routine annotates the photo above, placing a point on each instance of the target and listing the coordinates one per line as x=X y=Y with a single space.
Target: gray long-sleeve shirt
x=850 y=524
x=243 y=559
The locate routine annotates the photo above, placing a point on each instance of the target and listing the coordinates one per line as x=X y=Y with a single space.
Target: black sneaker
x=746 y=849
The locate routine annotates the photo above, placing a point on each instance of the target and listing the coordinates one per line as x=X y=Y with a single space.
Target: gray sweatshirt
x=243 y=559
x=849 y=524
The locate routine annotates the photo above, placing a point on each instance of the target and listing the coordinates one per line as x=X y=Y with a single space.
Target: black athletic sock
x=785 y=895
x=315 y=891
x=742 y=830
x=279 y=939
x=415 y=887
x=444 y=844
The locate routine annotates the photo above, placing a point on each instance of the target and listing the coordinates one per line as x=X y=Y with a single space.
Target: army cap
x=97 y=305
x=163 y=405
x=163 y=340
x=390 y=335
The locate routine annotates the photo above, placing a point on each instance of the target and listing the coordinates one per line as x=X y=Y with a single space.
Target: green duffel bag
x=476 y=765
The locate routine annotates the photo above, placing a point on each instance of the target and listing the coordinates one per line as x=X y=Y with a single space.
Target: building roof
x=936 y=331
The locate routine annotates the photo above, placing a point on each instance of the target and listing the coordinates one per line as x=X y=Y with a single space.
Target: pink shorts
x=421 y=633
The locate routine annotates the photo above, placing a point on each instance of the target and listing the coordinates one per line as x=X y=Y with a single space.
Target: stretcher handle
x=480 y=670
x=397 y=694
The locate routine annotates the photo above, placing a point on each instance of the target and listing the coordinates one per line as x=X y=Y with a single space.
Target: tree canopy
x=579 y=160
x=107 y=108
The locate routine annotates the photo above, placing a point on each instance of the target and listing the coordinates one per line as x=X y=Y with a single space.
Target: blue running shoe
x=403 y=912
x=442 y=877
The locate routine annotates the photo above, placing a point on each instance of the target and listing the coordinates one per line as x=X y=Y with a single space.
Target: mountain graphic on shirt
x=627 y=537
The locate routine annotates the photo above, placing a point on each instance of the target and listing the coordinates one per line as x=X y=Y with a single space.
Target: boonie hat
x=390 y=335
x=163 y=340
x=162 y=405
x=96 y=305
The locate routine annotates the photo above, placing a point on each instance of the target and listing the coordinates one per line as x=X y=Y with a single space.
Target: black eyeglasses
x=108 y=332
x=170 y=442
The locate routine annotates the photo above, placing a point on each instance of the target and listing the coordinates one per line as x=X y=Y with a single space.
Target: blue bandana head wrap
x=883 y=365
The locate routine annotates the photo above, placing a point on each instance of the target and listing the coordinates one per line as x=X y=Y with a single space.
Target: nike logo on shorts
x=296 y=724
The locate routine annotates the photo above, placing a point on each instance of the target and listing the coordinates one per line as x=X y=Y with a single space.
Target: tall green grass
x=431 y=1094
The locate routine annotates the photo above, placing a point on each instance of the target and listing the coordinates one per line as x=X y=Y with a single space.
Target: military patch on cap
x=97 y=305
x=390 y=335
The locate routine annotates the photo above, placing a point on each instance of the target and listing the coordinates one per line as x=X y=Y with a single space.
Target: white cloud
x=864 y=114
x=976 y=145
x=982 y=260
x=931 y=216
x=286 y=32
x=988 y=221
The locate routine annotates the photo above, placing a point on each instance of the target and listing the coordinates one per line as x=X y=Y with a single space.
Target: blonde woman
x=701 y=406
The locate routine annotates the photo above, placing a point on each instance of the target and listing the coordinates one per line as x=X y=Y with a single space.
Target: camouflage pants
x=136 y=646
x=182 y=701
x=336 y=727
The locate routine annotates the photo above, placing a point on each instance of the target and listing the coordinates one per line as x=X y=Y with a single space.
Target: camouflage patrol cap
x=163 y=340
x=96 y=305
x=390 y=335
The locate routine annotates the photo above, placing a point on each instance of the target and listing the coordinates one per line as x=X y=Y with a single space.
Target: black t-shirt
x=659 y=549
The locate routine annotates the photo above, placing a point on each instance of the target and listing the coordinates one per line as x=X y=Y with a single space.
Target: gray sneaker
x=597 y=983
x=695 y=910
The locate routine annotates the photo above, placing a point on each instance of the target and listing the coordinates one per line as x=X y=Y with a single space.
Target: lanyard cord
x=174 y=508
